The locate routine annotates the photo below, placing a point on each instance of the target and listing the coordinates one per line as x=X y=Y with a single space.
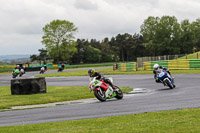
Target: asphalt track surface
x=157 y=98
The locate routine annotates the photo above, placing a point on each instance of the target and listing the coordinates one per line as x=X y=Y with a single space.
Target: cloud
x=22 y=20
x=85 y=5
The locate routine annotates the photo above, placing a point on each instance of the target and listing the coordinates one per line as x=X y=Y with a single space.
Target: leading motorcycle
x=103 y=91
x=165 y=78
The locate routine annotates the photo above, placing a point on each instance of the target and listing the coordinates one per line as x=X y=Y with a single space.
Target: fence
x=174 y=64
x=129 y=66
x=140 y=60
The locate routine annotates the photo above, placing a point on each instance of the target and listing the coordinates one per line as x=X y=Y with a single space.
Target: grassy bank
x=179 y=121
x=195 y=55
x=6 y=68
x=9 y=68
x=54 y=94
x=85 y=66
x=111 y=72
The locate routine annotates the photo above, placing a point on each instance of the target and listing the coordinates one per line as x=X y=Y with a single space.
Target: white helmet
x=155 y=66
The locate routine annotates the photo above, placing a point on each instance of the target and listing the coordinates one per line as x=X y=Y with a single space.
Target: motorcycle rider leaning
x=99 y=76
x=17 y=67
x=158 y=69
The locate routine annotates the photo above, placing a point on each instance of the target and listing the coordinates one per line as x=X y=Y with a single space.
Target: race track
x=157 y=98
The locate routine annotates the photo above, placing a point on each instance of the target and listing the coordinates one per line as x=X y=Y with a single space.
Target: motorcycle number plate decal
x=161 y=74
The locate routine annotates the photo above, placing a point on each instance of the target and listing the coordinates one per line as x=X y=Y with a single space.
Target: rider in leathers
x=158 y=69
x=99 y=76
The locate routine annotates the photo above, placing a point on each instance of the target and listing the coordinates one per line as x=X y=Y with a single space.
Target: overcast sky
x=21 y=21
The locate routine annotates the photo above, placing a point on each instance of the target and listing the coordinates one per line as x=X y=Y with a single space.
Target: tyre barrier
x=28 y=86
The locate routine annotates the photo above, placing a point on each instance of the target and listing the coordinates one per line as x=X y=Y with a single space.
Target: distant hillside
x=8 y=58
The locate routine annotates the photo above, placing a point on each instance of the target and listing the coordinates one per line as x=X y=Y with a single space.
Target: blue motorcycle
x=166 y=79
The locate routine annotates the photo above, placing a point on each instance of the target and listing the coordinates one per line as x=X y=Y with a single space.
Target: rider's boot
x=114 y=88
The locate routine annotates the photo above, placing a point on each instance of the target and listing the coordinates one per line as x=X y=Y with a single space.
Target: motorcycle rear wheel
x=100 y=96
x=119 y=93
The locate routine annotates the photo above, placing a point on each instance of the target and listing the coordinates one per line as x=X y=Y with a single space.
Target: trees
x=186 y=37
x=195 y=27
x=58 y=39
x=81 y=46
x=161 y=35
x=93 y=55
x=42 y=57
x=106 y=51
x=158 y=36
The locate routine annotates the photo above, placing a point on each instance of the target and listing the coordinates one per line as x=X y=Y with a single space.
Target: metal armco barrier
x=174 y=64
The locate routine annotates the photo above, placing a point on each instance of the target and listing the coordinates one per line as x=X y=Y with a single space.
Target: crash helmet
x=91 y=72
x=155 y=66
x=16 y=71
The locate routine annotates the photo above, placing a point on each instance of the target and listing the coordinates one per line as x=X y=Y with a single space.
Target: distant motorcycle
x=42 y=70
x=15 y=73
x=166 y=79
x=60 y=69
x=21 y=72
x=104 y=91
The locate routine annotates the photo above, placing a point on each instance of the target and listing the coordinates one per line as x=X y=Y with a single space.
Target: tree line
x=158 y=36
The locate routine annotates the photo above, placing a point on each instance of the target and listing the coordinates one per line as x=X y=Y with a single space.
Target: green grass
x=54 y=94
x=179 y=121
x=111 y=72
x=9 y=68
x=82 y=66
x=85 y=65
x=6 y=68
x=191 y=56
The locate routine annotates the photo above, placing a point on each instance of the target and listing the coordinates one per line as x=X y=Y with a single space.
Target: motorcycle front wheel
x=100 y=95
x=168 y=83
x=119 y=93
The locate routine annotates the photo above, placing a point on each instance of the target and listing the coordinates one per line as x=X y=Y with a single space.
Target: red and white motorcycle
x=104 y=91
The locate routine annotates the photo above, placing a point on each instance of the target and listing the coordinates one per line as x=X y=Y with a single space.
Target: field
x=54 y=94
x=184 y=121
x=179 y=121
x=6 y=68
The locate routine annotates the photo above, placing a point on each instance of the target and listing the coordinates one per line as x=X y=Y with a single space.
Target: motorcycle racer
x=100 y=76
x=158 y=69
x=42 y=70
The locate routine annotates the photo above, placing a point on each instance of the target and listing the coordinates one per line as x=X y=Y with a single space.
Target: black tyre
x=167 y=81
x=100 y=95
x=119 y=93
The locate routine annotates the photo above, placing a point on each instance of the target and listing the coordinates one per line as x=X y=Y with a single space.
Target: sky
x=21 y=21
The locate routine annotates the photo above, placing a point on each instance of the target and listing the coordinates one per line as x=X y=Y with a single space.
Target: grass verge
x=111 y=72
x=54 y=94
x=179 y=121
x=191 y=56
